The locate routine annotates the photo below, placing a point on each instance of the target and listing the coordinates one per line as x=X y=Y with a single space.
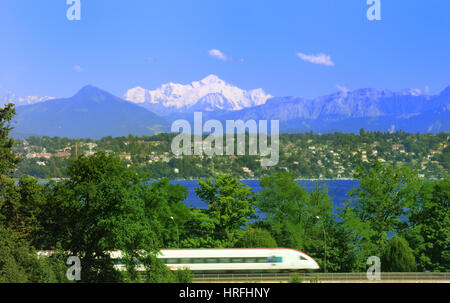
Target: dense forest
x=105 y=204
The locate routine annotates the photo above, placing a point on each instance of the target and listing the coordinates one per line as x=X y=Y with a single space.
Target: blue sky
x=121 y=44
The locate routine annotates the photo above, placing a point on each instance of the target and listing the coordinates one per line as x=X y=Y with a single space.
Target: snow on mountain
x=10 y=97
x=209 y=94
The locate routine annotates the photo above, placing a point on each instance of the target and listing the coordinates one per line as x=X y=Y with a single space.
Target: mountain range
x=90 y=113
x=95 y=113
x=345 y=111
x=210 y=94
x=349 y=111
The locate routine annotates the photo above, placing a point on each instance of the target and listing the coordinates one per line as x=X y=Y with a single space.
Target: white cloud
x=320 y=58
x=215 y=53
x=78 y=69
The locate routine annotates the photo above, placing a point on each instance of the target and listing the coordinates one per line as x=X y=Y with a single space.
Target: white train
x=228 y=260
x=234 y=260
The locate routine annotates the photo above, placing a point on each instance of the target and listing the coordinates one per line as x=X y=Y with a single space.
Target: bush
x=183 y=276
x=398 y=256
x=314 y=280
x=296 y=278
x=157 y=271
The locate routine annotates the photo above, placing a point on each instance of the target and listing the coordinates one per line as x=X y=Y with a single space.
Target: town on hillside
x=307 y=156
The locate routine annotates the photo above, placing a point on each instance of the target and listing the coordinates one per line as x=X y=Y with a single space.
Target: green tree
x=231 y=205
x=165 y=204
x=200 y=232
x=429 y=231
x=304 y=221
x=19 y=263
x=22 y=204
x=283 y=202
x=397 y=256
x=378 y=207
x=256 y=238
x=445 y=158
x=101 y=208
x=18 y=260
x=8 y=160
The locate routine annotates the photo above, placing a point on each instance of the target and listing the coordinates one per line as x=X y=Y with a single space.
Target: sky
x=288 y=48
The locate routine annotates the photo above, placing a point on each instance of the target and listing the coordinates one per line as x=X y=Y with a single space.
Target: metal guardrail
x=323 y=278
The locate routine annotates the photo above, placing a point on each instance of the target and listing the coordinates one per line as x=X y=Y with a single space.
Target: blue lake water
x=337 y=189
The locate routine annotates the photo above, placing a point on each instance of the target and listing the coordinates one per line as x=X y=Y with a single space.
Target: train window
x=303 y=258
x=225 y=260
x=275 y=259
x=211 y=260
x=198 y=260
x=261 y=260
x=136 y=261
x=272 y=259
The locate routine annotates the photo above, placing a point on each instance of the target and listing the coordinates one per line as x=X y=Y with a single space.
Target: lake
x=337 y=189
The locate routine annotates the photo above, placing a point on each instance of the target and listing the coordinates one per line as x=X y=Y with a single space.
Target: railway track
x=322 y=278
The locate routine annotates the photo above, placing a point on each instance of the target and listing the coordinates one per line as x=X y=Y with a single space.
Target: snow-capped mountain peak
x=210 y=93
x=10 y=97
x=212 y=79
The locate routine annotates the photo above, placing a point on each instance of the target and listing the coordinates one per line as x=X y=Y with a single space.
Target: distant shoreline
x=178 y=180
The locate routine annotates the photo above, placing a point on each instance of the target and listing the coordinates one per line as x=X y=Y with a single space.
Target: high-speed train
x=234 y=260
x=227 y=260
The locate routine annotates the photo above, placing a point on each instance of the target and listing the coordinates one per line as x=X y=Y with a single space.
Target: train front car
x=238 y=260
x=299 y=261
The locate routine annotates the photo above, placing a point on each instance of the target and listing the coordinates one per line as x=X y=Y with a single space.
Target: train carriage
x=227 y=260
x=236 y=260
